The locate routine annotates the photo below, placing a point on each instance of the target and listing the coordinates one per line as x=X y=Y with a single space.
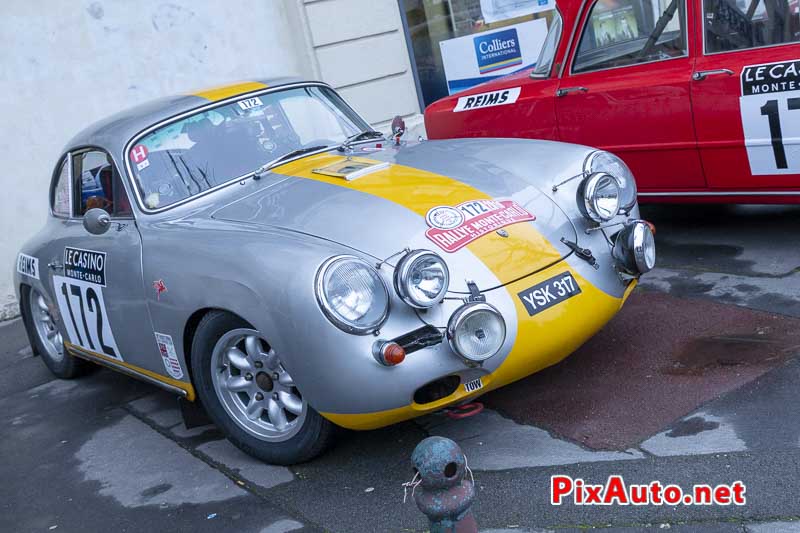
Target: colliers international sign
x=477 y=58
x=497 y=51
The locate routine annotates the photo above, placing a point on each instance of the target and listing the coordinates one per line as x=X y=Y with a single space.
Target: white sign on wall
x=478 y=58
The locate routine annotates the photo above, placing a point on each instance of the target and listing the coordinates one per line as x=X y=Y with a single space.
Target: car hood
x=488 y=220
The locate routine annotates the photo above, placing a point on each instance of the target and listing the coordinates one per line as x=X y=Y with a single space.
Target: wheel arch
x=190 y=329
x=24 y=311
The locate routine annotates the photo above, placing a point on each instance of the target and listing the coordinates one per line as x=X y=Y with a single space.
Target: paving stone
x=492 y=442
x=253 y=470
x=159 y=473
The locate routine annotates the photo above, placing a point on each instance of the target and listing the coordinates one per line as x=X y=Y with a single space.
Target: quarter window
x=62 y=192
x=99 y=184
x=741 y=24
x=619 y=33
x=548 y=53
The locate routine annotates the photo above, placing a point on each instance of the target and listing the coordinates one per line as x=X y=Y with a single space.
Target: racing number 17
x=772 y=112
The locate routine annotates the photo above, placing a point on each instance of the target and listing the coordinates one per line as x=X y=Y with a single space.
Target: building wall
x=359 y=48
x=64 y=65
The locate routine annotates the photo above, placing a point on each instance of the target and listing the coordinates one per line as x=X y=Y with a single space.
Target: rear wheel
x=45 y=334
x=248 y=393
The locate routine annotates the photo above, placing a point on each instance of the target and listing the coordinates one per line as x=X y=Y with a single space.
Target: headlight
x=352 y=294
x=421 y=279
x=476 y=331
x=598 y=197
x=635 y=248
x=610 y=164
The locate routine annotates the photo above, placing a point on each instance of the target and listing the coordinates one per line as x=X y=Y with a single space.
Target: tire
x=40 y=325
x=231 y=395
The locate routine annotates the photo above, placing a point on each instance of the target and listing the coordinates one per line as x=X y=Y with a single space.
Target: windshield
x=210 y=148
x=548 y=52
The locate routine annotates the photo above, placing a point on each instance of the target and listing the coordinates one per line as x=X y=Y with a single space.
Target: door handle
x=55 y=265
x=565 y=92
x=700 y=75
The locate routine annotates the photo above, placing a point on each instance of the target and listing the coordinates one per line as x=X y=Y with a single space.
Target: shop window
x=619 y=33
x=741 y=24
x=457 y=44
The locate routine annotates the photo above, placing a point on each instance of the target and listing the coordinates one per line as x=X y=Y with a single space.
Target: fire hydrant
x=445 y=494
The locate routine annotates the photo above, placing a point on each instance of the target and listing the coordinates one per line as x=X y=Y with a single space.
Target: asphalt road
x=109 y=453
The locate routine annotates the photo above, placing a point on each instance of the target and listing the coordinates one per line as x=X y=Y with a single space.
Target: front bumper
x=536 y=342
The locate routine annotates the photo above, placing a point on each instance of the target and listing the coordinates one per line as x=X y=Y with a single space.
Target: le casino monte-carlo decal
x=770 y=108
x=79 y=293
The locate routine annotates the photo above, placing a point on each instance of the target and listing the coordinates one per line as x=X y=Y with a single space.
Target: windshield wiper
x=263 y=169
x=371 y=134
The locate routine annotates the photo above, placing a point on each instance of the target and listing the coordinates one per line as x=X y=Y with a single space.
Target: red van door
x=746 y=93
x=627 y=90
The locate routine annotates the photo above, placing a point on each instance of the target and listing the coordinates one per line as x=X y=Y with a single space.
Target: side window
x=741 y=24
x=619 y=33
x=62 y=192
x=98 y=184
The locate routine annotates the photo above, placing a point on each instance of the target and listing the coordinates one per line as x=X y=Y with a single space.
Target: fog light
x=476 y=331
x=635 y=248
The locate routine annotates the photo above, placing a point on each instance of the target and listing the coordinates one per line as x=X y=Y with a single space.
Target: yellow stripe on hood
x=509 y=258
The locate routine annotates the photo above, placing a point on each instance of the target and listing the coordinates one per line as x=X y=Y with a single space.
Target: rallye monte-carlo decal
x=452 y=228
x=79 y=293
x=770 y=109
x=490 y=99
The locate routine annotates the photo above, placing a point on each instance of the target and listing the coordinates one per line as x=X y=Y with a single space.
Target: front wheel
x=251 y=397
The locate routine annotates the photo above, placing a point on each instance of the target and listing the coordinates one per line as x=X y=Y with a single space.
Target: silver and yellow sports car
x=260 y=249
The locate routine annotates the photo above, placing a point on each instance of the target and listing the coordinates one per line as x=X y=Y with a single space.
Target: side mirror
x=398 y=128
x=96 y=221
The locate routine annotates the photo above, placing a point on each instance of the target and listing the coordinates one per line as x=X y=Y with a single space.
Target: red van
x=701 y=98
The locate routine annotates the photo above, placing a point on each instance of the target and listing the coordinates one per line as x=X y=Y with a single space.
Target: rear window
x=741 y=24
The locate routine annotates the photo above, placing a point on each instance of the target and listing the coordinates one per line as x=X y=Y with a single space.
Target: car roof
x=112 y=133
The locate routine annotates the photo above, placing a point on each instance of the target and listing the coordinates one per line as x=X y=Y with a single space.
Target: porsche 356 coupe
x=259 y=248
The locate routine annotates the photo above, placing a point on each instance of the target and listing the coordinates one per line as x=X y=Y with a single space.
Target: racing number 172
x=772 y=112
x=93 y=303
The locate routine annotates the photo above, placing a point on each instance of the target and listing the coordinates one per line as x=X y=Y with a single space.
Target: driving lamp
x=608 y=163
x=635 y=248
x=599 y=197
x=476 y=331
x=352 y=294
x=421 y=279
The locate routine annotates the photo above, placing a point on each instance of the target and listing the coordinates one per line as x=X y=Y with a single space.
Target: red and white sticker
x=167 y=349
x=139 y=156
x=452 y=228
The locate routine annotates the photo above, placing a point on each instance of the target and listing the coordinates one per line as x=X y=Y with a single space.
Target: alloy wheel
x=254 y=387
